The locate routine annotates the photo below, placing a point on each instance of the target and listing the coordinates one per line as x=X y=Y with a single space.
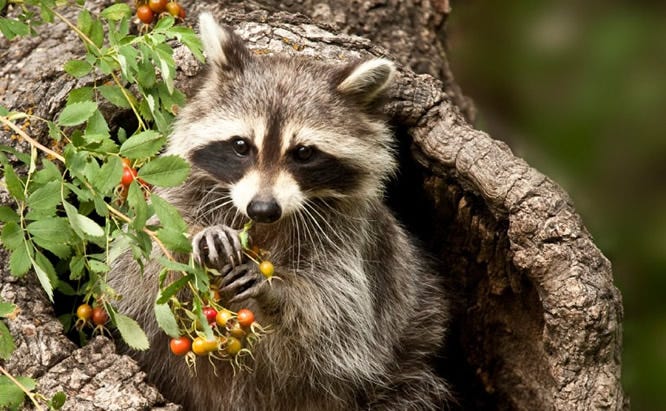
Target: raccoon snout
x=264 y=211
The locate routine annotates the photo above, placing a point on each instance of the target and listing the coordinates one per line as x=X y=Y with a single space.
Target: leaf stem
x=31 y=140
x=23 y=388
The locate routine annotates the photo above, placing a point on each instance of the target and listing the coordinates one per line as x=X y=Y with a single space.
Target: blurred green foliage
x=578 y=89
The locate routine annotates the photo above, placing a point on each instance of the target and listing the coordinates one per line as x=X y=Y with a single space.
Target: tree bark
x=537 y=319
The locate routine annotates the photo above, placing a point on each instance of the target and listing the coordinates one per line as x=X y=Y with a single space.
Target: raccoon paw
x=244 y=281
x=210 y=243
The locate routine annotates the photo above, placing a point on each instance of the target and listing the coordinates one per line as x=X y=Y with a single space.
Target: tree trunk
x=537 y=319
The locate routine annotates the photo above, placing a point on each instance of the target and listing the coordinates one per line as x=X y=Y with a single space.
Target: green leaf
x=187 y=36
x=46 y=197
x=98 y=267
x=169 y=216
x=11 y=28
x=142 y=145
x=76 y=266
x=166 y=320
x=47 y=174
x=174 y=240
x=137 y=202
x=131 y=332
x=14 y=183
x=55 y=229
x=60 y=250
x=84 y=22
x=116 y=12
x=163 y=24
x=11 y=395
x=58 y=400
x=77 y=68
x=97 y=33
x=6 y=308
x=167 y=171
x=45 y=273
x=79 y=95
x=175 y=266
x=12 y=236
x=97 y=125
x=173 y=288
x=19 y=262
x=7 y=345
x=7 y=214
x=82 y=225
x=77 y=113
x=115 y=95
x=109 y=175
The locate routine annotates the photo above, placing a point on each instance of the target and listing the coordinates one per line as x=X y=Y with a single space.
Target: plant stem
x=23 y=388
x=31 y=140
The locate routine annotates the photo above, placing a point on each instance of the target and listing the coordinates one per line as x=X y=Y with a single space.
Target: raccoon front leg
x=211 y=242
x=245 y=281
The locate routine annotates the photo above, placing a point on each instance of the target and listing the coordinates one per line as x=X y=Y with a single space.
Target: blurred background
x=578 y=89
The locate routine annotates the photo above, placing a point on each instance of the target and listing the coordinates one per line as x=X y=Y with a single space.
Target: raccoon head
x=278 y=132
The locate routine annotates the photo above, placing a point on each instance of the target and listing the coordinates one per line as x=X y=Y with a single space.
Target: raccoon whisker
x=319 y=232
x=311 y=207
x=210 y=210
x=318 y=248
x=298 y=241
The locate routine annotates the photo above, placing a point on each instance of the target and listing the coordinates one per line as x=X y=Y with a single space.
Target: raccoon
x=301 y=148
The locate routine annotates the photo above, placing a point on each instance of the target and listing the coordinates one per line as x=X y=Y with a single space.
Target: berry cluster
x=147 y=11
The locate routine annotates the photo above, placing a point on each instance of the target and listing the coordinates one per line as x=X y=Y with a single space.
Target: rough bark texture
x=537 y=324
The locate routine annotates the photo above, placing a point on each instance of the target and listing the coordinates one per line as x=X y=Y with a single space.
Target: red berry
x=157 y=6
x=180 y=345
x=210 y=313
x=245 y=317
x=145 y=14
x=181 y=13
x=99 y=316
x=128 y=176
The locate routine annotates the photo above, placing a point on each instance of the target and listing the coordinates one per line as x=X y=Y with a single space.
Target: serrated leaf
x=20 y=261
x=137 y=202
x=80 y=94
x=142 y=145
x=45 y=273
x=173 y=288
x=77 y=113
x=84 y=22
x=82 y=225
x=76 y=266
x=98 y=266
x=11 y=395
x=109 y=175
x=201 y=279
x=7 y=346
x=115 y=95
x=97 y=125
x=169 y=216
x=175 y=266
x=55 y=229
x=60 y=250
x=46 y=197
x=7 y=214
x=77 y=68
x=116 y=12
x=174 y=240
x=167 y=171
x=12 y=236
x=187 y=36
x=166 y=320
x=10 y=28
x=97 y=33
x=14 y=183
x=47 y=174
x=131 y=332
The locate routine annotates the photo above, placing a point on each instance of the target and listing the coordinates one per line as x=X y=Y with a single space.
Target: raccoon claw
x=209 y=243
x=244 y=280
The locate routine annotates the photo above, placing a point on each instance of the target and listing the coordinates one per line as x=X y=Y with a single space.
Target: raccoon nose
x=264 y=211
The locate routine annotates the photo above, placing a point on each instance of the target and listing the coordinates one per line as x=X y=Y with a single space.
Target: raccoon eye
x=241 y=146
x=303 y=153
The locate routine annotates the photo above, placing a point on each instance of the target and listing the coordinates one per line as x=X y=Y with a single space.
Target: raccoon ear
x=223 y=48
x=367 y=80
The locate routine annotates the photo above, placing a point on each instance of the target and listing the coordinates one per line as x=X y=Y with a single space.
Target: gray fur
x=358 y=315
